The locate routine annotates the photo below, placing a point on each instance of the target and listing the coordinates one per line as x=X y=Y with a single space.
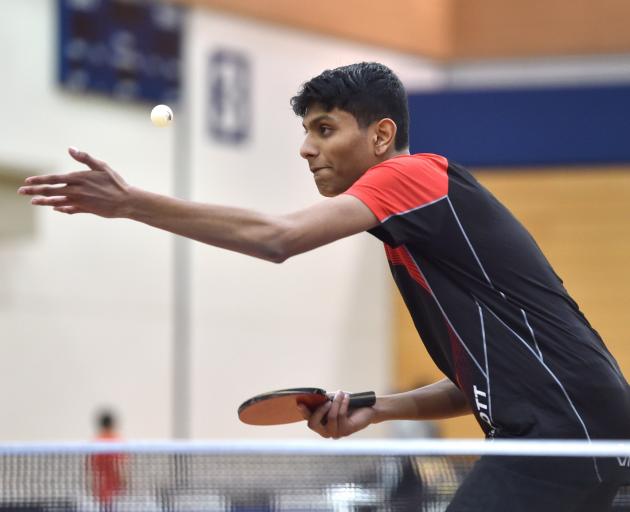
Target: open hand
x=99 y=190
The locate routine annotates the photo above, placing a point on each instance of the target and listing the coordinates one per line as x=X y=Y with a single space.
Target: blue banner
x=524 y=127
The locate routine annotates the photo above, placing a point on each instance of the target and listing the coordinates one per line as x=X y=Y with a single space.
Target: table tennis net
x=241 y=476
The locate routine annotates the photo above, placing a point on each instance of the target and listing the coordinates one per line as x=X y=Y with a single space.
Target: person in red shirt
x=107 y=469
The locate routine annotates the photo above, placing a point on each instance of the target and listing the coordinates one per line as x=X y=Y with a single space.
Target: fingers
x=71 y=178
x=51 y=201
x=345 y=405
x=46 y=190
x=51 y=195
x=330 y=419
x=87 y=159
x=59 y=197
x=336 y=418
x=316 y=419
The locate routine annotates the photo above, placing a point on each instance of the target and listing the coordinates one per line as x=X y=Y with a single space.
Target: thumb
x=87 y=159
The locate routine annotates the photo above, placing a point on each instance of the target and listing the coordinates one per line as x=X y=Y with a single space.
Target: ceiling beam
x=454 y=29
x=411 y=26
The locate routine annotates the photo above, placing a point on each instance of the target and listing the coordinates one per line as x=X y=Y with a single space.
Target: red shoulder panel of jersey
x=402 y=183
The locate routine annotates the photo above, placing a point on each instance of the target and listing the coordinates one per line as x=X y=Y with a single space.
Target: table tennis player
x=515 y=349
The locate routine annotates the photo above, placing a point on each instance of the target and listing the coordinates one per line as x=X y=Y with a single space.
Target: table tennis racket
x=282 y=406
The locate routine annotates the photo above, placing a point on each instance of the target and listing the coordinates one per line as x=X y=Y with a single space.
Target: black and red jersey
x=491 y=311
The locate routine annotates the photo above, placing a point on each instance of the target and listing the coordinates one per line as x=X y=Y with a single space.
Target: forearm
x=235 y=229
x=270 y=237
x=439 y=400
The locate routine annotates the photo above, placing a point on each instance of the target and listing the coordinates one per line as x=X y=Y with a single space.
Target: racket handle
x=364 y=399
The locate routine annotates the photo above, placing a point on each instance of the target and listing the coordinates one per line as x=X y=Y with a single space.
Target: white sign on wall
x=229 y=96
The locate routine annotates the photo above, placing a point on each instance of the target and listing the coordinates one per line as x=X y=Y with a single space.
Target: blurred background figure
x=107 y=469
x=107 y=426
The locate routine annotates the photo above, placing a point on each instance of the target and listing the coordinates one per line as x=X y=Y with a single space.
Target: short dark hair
x=105 y=419
x=368 y=90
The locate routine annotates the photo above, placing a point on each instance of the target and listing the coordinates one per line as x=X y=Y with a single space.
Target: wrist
x=130 y=207
x=382 y=409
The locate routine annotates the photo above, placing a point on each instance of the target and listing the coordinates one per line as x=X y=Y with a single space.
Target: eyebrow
x=321 y=117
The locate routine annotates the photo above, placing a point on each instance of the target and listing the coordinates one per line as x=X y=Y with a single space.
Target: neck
x=401 y=152
x=394 y=153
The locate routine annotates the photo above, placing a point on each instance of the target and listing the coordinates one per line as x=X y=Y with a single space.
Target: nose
x=308 y=149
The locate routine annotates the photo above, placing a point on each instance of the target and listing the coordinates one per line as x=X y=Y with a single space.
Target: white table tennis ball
x=161 y=115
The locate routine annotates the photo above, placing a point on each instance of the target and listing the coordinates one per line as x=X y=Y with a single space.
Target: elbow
x=280 y=259
x=279 y=240
x=276 y=257
x=277 y=247
x=278 y=252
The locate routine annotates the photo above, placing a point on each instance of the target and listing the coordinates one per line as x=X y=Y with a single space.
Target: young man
x=514 y=347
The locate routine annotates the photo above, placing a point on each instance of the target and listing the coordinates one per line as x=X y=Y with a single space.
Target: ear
x=384 y=136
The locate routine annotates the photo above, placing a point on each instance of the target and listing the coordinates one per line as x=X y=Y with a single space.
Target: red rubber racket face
x=280 y=407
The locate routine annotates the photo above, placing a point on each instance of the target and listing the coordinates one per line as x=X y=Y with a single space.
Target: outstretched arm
x=439 y=400
x=101 y=191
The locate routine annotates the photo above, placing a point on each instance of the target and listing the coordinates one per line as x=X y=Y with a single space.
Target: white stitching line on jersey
x=413 y=209
x=564 y=391
x=468 y=241
x=444 y=314
x=531 y=331
x=485 y=355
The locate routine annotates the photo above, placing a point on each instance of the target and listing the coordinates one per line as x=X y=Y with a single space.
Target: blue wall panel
x=516 y=127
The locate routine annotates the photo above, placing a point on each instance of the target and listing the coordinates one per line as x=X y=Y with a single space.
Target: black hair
x=106 y=420
x=368 y=90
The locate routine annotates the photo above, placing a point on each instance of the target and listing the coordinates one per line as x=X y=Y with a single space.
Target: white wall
x=84 y=313
x=85 y=303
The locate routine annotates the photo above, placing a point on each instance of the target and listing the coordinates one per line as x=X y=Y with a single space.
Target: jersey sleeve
x=398 y=188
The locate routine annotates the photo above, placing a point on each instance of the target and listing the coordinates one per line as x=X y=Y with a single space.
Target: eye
x=325 y=130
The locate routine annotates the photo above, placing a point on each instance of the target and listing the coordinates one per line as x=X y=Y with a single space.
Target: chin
x=327 y=192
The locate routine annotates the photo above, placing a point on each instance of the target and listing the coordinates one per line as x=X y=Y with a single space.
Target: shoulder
x=425 y=170
x=402 y=183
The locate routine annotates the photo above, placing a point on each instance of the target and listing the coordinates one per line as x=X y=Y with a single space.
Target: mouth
x=314 y=170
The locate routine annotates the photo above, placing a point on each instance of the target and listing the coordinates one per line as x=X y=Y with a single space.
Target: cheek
x=349 y=152
x=357 y=159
